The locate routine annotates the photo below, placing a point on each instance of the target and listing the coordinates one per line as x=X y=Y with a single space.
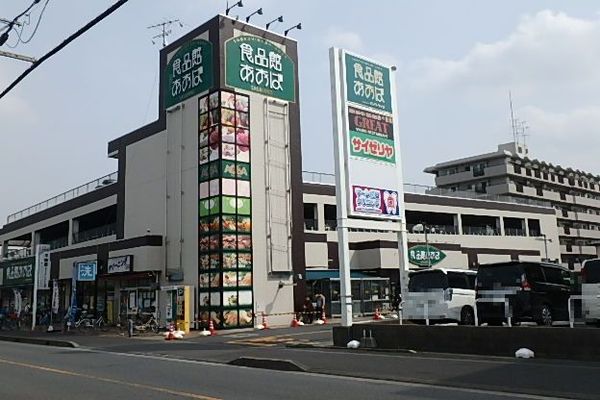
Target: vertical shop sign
x=367 y=134
x=189 y=72
x=224 y=210
x=258 y=65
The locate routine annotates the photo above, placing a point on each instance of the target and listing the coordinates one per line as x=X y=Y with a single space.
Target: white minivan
x=458 y=286
x=590 y=289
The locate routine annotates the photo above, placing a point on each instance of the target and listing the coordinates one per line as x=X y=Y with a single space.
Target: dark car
x=537 y=292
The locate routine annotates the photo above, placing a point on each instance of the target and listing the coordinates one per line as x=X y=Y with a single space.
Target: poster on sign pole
x=369 y=183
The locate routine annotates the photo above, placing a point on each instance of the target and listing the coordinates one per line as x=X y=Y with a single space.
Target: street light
x=278 y=19
x=546 y=240
x=259 y=12
x=422 y=227
x=237 y=4
x=299 y=27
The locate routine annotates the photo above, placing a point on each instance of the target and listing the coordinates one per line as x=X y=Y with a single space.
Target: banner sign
x=368 y=83
x=189 y=72
x=86 y=271
x=375 y=201
x=258 y=65
x=371 y=136
x=423 y=256
x=42 y=257
x=120 y=264
x=367 y=158
x=55 y=298
x=19 y=272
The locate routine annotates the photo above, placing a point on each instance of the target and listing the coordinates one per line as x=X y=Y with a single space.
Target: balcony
x=95 y=233
x=63 y=197
x=436 y=229
x=311 y=224
x=330 y=224
x=480 y=230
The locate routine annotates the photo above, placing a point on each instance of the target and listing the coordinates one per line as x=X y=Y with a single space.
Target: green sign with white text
x=19 y=272
x=189 y=72
x=424 y=257
x=368 y=84
x=258 y=65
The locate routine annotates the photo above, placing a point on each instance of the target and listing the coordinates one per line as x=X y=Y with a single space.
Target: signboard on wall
x=366 y=130
x=119 y=264
x=86 y=271
x=424 y=256
x=258 y=65
x=42 y=257
x=189 y=72
x=19 y=272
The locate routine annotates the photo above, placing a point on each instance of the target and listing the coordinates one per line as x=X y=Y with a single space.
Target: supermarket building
x=209 y=213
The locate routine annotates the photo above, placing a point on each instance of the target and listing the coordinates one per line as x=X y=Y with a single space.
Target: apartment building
x=511 y=171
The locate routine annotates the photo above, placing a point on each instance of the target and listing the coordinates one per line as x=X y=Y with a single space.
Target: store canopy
x=316 y=275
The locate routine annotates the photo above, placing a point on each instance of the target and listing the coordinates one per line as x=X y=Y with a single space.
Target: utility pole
x=165 y=28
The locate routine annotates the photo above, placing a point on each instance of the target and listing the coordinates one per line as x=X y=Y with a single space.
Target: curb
x=40 y=341
x=268 y=363
x=363 y=349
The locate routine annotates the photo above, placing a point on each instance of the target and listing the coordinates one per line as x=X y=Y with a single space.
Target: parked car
x=590 y=289
x=537 y=292
x=458 y=286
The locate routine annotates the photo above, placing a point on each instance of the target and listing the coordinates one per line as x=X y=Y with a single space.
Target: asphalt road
x=37 y=372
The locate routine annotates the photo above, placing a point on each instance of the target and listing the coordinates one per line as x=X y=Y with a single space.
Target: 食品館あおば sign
x=379 y=202
x=368 y=84
x=257 y=65
x=19 y=272
x=189 y=71
x=371 y=135
x=423 y=256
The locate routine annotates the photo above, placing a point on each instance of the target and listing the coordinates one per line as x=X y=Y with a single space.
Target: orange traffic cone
x=265 y=324
x=377 y=315
x=323 y=317
x=211 y=328
x=294 y=323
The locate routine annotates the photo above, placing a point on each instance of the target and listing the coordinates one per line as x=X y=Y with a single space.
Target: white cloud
x=551 y=62
x=344 y=39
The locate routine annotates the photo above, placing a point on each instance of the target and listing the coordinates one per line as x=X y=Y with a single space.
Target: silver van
x=590 y=290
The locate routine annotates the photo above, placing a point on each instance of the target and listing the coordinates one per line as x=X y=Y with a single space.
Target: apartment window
x=537 y=174
x=565 y=213
x=519 y=187
x=481 y=187
x=571 y=181
x=567 y=230
x=569 y=247
x=563 y=196
x=592 y=186
x=534 y=227
x=311 y=222
x=527 y=172
x=539 y=191
x=561 y=179
x=545 y=175
x=330 y=217
x=479 y=170
x=552 y=177
x=517 y=169
x=467 y=167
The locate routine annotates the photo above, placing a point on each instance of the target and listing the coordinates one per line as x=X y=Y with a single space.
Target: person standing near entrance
x=319 y=305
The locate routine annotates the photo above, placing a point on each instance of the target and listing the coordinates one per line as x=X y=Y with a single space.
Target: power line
x=64 y=44
x=37 y=25
x=11 y=24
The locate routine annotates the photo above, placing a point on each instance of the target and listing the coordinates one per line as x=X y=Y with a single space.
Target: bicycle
x=150 y=324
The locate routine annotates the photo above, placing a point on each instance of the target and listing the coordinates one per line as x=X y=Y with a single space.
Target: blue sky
x=456 y=62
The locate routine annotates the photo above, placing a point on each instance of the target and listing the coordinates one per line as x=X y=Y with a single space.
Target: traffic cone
x=265 y=323
x=323 y=317
x=294 y=323
x=377 y=315
x=211 y=328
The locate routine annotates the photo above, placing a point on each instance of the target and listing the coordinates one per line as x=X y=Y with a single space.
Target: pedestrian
x=320 y=305
x=308 y=311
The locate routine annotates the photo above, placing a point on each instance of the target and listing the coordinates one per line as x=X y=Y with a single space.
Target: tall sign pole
x=369 y=182
x=337 y=88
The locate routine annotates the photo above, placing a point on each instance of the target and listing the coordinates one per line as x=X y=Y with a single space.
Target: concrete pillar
x=73 y=229
x=458 y=223
x=320 y=217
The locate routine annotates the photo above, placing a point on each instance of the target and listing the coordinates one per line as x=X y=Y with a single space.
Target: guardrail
x=66 y=196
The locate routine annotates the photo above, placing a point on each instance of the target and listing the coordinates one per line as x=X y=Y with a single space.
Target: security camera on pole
x=369 y=183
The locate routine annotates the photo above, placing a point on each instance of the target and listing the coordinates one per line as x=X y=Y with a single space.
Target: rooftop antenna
x=165 y=28
x=512 y=118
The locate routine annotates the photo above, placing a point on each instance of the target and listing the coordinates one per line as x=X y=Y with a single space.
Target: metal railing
x=95 y=233
x=514 y=232
x=480 y=230
x=310 y=224
x=58 y=243
x=329 y=179
x=66 y=196
x=18 y=253
x=436 y=229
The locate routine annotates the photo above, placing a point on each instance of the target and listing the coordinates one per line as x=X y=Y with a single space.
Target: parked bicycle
x=150 y=324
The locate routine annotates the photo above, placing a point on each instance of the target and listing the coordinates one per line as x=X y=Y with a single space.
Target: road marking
x=109 y=380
